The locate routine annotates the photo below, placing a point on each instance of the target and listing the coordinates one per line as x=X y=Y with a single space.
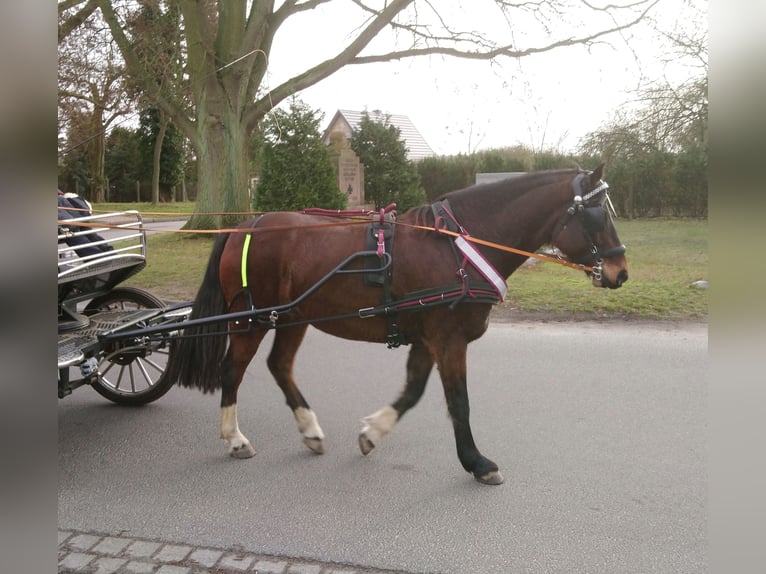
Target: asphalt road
x=600 y=431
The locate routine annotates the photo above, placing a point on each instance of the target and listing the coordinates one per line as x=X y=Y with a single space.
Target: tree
x=510 y=159
x=442 y=174
x=165 y=142
x=389 y=177
x=73 y=163
x=69 y=19
x=227 y=47
x=657 y=146
x=164 y=58
x=296 y=169
x=123 y=165
x=92 y=96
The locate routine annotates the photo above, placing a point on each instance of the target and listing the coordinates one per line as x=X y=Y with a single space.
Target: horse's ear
x=597 y=174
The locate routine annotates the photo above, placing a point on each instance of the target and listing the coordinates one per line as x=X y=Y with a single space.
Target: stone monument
x=351 y=178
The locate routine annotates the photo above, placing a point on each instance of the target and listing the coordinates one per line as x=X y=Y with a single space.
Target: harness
x=445 y=219
x=593 y=209
x=379 y=237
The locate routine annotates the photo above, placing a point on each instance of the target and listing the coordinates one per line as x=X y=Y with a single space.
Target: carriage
x=421 y=280
x=93 y=309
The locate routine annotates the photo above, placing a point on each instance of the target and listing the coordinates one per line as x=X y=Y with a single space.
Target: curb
x=97 y=553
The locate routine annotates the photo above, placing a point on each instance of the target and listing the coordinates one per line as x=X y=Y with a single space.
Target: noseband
x=592 y=208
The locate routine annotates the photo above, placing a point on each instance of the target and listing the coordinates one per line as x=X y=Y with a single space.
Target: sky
x=547 y=100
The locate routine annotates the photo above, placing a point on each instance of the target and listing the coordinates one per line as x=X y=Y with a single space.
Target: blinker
x=594 y=219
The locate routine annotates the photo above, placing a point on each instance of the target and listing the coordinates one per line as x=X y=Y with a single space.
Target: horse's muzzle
x=610 y=280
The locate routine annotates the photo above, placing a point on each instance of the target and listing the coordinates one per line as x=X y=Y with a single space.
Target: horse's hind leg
x=238 y=357
x=280 y=363
x=377 y=425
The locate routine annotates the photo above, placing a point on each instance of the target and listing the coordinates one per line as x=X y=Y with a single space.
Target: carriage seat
x=118 y=253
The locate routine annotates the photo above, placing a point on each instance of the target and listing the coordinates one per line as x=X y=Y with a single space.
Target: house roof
x=348 y=120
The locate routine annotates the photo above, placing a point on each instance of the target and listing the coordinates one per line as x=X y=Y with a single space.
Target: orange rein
x=364 y=220
x=540 y=256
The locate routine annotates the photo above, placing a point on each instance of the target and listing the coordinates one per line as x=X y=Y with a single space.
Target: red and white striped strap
x=482 y=266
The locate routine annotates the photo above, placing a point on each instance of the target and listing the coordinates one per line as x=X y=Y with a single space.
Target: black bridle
x=593 y=209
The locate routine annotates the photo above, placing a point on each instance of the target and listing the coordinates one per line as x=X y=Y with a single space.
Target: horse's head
x=586 y=232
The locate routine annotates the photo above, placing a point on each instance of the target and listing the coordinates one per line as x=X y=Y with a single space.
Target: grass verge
x=664 y=258
x=147 y=209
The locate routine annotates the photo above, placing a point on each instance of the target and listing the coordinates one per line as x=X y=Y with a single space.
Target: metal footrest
x=75 y=346
x=69 y=358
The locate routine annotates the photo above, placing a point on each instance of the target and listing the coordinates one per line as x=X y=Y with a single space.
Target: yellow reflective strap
x=245 y=248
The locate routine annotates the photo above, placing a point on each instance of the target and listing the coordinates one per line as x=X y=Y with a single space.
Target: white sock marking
x=308 y=424
x=379 y=424
x=229 y=428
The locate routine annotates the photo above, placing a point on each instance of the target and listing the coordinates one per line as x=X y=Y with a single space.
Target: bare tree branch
x=379 y=19
x=65 y=5
x=71 y=23
x=329 y=67
x=507 y=51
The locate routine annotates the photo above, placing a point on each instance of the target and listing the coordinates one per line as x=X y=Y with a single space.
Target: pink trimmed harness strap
x=444 y=219
x=390 y=208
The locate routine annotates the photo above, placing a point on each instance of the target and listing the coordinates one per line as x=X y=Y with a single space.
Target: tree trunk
x=98 y=158
x=222 y=192
x=163 y=124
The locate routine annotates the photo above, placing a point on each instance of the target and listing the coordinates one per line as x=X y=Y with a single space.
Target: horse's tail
x=196 y=356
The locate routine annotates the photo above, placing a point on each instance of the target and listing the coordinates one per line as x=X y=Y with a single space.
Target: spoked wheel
x=131 y=375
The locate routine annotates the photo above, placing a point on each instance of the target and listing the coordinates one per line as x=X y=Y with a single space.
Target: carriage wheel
x=131 y=375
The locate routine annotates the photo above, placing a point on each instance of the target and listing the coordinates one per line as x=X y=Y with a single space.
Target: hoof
x=492 y=478
x=315 y=444
x=365 y=444
x=243 y=451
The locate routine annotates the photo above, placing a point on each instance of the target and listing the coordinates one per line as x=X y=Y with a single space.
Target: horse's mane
x=511 y=188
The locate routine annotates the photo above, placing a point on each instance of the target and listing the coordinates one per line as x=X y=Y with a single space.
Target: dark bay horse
x=436 y=296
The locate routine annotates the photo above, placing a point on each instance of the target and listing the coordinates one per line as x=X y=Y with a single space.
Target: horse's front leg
x=377 y=425
x=452 y=367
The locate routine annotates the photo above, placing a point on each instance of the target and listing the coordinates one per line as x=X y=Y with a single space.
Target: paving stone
x=137 y=567
x=268 y=567
x=81 y=553
x=142 y=548
x=76 y=560
x=236 y=562
x=108 y=565
x=83 y=541
x=111 y=545
x=172 y=553
x=205 y=557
